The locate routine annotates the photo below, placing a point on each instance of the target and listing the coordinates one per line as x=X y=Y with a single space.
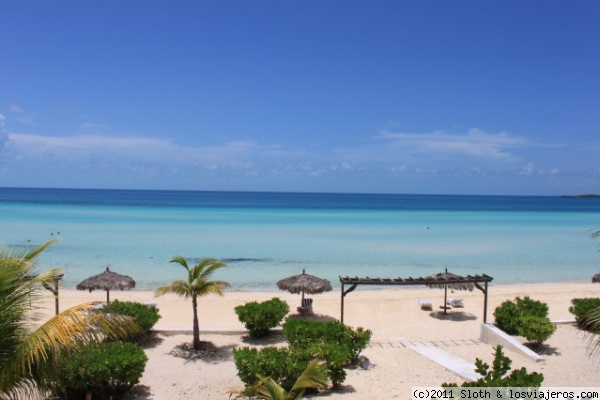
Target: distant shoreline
x=582 y=196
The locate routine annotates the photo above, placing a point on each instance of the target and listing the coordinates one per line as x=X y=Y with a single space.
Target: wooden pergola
x=476 y=280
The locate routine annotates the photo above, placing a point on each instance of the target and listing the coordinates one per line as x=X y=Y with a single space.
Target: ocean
x=265 y=237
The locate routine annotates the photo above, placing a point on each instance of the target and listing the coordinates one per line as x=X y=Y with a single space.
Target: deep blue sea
x=265 y=237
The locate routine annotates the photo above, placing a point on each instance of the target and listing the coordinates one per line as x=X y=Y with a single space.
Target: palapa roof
x=304 y=283
x=449 y=280
x=596 y=278
x=107 y=280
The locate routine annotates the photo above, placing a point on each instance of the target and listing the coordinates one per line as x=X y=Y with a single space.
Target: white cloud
x=399 y=170
x=475 y=143
x=527 y=169
x=20 y=114
x=102 y=149
x=412 y=159
x=91 y=125
x=3 y=134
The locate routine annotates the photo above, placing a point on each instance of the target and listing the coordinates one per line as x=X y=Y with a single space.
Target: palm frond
x=179 y=287
x=208 y=266
x=27 y=354
x=268 y=389
x=211 y=287
x=65 y=331
x=25 y=254
x=181 y=261
x=313 y=377
x=591 y=322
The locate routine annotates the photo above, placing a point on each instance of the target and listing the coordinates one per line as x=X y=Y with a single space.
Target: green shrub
x=335 y=358
x=498 y=376
x=273 y=362
x=582 y=307
x=536 y=329
x=259 y=318
x=534 y=308
x=332 y=342
x=303 y=333
x=525 y=317
x=507 y=317
x=145 y=315
x=104 y=369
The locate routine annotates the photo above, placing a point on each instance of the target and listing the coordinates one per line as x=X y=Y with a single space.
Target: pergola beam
x=476 y=280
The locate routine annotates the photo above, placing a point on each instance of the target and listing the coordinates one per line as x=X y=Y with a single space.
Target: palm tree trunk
x=196 y=326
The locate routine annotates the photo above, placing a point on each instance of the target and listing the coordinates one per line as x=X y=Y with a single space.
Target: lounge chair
x=306 y=307
x=455 y=302
x=425 y=305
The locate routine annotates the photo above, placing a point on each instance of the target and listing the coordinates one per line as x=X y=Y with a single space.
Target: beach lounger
x=306 y=307
x=454 y=302
x=425 y=305
x=151 y=303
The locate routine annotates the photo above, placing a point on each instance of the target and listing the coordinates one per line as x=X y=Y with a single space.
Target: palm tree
x=198 y=283
x=313 y=377
x=29 y=352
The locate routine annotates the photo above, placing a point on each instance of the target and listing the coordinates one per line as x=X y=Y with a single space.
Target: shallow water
x=267 y=236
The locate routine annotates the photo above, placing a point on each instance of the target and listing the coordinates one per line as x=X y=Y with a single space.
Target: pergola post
x=344 y=293
x=485 y=303
x=342 y=306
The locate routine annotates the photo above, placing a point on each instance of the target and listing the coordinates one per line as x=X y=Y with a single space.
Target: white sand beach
x=394 y=317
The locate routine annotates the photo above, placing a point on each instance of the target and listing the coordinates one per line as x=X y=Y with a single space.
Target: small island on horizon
x=583 y=196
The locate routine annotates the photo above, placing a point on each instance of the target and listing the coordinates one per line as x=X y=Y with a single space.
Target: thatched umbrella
x=106 y=281
x=304 y=283
x=596 y=278
x=447 y=280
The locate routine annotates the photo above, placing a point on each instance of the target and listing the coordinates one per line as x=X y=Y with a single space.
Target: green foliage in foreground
x=582 y=308
x=525 y=317
x=29 y=353
x=259 y=318
x=305 y=333
x=313 y=377
x=499 y=375
x=103 y=369
x=276 y=363
x=145 y=315
x=334 y=343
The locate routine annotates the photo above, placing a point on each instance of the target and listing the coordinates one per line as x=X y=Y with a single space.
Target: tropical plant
x=145 y=315
x=259 y=318
x=29 y=353
x=591 y=323
x=525 y=317
x=100 y=369
x=313 y=377
x=336 y=344
x=197 y=284
x=581 y=308
x=305 y=333
x=499 y=375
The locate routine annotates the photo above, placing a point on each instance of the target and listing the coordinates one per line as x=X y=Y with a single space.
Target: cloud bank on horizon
x=347 y=96
x=387 y=162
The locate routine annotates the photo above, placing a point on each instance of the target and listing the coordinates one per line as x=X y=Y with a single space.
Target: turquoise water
x=267 y=236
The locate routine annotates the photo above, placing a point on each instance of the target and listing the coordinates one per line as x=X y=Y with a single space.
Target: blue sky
x=465 y=97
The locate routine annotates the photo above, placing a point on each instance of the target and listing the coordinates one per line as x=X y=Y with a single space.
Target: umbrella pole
x=107 y=296
x=445 y=298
